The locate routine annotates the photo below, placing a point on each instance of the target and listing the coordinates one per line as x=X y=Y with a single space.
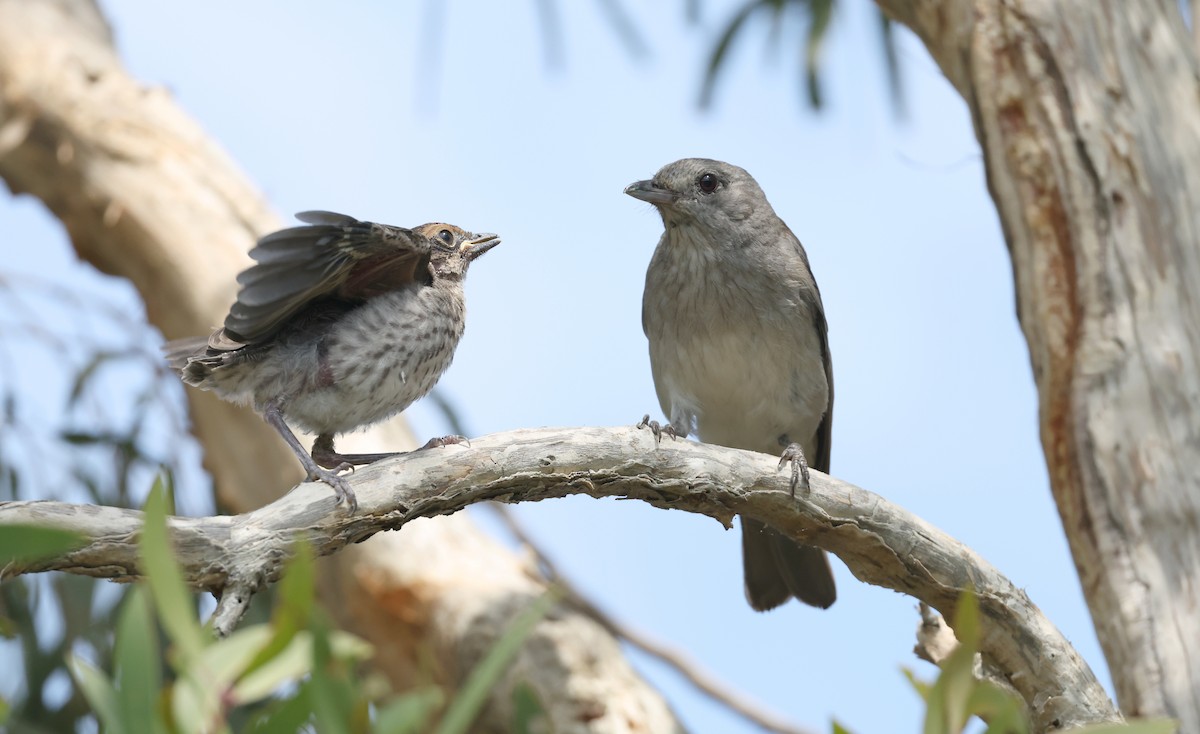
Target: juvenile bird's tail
x=179 y=354
x=776 y=569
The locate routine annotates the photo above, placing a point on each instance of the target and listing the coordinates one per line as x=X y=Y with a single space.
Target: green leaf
x=527 y=707
x=99 y=692
x=966 y=621
x=625 y=29
x=26 y=543
x=330 y=705
x=194 y=705
x=466 y=705
x=293 y=606
x=1004 y=713
x=297 y=588
x=839 y=729
x=921 y=687
x=76 y=596
x=948 y=701
x=225 y=661
x=5 y=710
x=410 y=713
x=820 y=15
x=291 y=663
x=171 y=596
x=283 y=716
x=957 y=694
x=138 y=664
x=1139 y=726
x=334 y=694
x=722 y=49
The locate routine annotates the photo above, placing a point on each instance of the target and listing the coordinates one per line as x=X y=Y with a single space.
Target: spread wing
x=332 y=256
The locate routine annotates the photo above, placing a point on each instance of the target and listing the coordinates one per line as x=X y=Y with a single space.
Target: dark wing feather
x=333 y=255
x=776 y=567
x=820 y=462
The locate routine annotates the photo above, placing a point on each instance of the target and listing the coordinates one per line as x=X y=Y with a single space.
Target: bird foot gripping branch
x=339 y=324
x=793 y=454
x=658 y=429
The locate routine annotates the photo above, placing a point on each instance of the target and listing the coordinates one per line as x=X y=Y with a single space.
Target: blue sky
x=398 y=113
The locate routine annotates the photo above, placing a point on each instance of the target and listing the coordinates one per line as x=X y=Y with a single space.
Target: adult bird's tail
x=776 y=569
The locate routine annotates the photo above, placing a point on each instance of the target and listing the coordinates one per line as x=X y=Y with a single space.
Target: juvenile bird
x=338 y=325
x=739 y=348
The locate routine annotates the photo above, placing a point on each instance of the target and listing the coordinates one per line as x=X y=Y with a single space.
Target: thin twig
x=234 y=602
x=935 y=639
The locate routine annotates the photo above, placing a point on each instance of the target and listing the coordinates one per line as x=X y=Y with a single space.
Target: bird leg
x=341 y=488
x=657 y=429
x=795 y=455
x=324 y=454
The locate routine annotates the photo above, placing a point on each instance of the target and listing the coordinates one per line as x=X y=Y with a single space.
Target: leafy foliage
x=815 y=17
x=303 y=673
x=958 y=695
x=88 y=412
x=26 y=543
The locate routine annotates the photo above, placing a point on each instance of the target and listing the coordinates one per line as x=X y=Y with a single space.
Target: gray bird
x=739 y=348
x=338 y=325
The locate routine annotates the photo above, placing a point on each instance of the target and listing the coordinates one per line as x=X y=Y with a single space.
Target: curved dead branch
x=881 y=543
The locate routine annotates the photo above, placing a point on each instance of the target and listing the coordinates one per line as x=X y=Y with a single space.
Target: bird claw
x=343 y=494
x=439 y=441
x=794 y=455
x=657 y=429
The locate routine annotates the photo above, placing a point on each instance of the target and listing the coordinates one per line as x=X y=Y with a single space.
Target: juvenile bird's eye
x=446 y=236
x=707 y=183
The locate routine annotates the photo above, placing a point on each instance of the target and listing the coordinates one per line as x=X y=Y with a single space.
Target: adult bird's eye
x=446 y=236
x=707 y=183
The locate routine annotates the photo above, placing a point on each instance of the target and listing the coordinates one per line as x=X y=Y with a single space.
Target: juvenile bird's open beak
x=647 y=191
x=481 y=244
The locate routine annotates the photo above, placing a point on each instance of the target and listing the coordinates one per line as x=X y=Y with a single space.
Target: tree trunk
x=145 y=194
x=1088 y=114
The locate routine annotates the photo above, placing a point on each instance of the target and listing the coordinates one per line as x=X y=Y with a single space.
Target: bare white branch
x=881 y=543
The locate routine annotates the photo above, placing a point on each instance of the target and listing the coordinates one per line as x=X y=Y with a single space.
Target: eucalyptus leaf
x=410 y=713
x=195 y=706
x=138 y=662
x=527 y=707
x=171 y=596
x=284 y=716
x=99 y=692
x=26 y=543
x=293 y=606
x=293 y=663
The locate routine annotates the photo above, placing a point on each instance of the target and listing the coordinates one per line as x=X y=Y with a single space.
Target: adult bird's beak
x=649 y=192
x=481 y=244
